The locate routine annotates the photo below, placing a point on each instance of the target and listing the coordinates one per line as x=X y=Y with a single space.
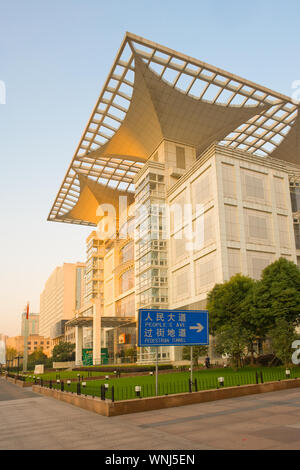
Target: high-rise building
x=61 y=296
x=210 y=165
x=33 y=323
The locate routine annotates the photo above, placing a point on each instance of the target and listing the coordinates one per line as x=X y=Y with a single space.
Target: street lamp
x=221 y=381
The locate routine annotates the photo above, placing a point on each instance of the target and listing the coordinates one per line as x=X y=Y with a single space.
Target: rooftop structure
x=154 y=93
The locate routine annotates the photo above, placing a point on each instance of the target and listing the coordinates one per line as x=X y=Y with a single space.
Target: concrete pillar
x=78 y=345
x=97 y=334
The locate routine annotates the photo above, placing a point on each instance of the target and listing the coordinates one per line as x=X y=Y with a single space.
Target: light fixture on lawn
x=221 y=381
x=138 y=390
x=287 y=373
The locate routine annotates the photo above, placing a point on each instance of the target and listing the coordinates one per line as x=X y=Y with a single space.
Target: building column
x=97 y=334
x=78 y=345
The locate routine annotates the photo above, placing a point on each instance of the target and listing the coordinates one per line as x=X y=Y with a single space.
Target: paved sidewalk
x=265 y=421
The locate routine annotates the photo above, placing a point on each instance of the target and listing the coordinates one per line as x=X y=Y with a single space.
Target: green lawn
x=178 y=382
x=65 y=375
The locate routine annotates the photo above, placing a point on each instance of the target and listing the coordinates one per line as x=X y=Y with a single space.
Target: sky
x=54 y=59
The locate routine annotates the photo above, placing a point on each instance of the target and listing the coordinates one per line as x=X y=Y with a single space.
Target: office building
x=210 y=165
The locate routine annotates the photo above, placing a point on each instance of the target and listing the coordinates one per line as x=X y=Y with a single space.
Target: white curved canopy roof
x=154 y=93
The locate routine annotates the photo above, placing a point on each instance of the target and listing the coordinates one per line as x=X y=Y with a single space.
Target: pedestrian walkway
x=265 y=421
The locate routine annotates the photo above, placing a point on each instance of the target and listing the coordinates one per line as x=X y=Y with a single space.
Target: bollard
x=196 y=386
x=78 y=388
x=261 y=377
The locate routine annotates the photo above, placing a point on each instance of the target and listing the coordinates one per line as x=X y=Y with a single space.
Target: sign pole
x=25 y=355
x=191 y=365
x=156 y=373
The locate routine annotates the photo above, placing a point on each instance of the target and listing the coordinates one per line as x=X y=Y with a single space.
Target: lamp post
x=26 y=321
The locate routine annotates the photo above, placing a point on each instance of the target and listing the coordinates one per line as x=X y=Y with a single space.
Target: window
x=234 y=262
x=126 y=306
x=232 y=223
x=126 y=281
x=229 y=182
x=127 y=252
x=254 y=187
x=257 y=262
x=297 y=235
x=295 y=199
x=205 y=272
x=180 y=157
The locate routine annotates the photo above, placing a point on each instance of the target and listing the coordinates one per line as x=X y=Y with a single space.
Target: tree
x=63 y=352
x=225 y=302
x=132 y=353
x=37 y=357
x=227 y=307
x=198 y=351
x=233 y=341
x=282 y=337
x=278 y=293
x=11 y=353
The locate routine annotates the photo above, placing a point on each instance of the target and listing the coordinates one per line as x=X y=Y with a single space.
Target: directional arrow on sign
x=197 y=327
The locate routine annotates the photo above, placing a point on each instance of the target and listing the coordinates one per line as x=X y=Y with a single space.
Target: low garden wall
x=109 y=408
x=20 y=383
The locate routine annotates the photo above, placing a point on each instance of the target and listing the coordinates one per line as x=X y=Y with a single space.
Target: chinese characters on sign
x=173 y=327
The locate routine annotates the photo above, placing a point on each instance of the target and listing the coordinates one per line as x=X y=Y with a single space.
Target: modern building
x=210 y=165
x=33 y=323
x=34 y=343
x=3 y=339
x=61 y=296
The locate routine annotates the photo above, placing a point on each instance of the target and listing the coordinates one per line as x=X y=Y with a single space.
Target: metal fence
x=118 y=391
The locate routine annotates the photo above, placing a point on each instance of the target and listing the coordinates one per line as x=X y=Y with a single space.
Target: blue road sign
x=173 y=327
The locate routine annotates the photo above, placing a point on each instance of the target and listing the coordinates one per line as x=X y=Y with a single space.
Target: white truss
x=260 y=135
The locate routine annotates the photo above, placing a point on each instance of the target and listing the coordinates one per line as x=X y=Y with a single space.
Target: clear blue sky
x=54 y=59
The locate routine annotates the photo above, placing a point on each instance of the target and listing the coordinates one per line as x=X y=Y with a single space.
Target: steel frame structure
x=238 y=114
